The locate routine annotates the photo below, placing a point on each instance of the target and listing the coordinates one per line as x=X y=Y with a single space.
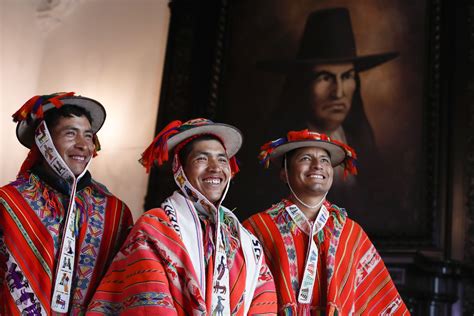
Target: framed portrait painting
x=363 y=72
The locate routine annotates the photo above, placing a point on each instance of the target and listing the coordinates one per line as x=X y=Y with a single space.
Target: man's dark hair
x=67 y=110
x=186 y=150
x=288 y=157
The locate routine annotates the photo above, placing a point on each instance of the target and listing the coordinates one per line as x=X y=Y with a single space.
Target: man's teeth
x=81 y=158
x=213 y=181
x=317 y=176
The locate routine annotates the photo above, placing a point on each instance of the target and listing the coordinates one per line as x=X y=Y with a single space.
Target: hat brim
x=336 y=152
x=361 y=63
x=230 y=136
x=25 y=129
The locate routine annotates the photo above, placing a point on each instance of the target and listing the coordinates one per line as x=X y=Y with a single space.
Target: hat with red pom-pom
x=176 y=134
x=339 y=152
x=32 y=112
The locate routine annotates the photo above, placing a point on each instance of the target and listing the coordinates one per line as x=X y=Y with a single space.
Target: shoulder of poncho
x=25 y=178
x=275 y=209
x=338 y=213
x=22 y=178
x=155 y=218
x=156 y=214
x=100 y=187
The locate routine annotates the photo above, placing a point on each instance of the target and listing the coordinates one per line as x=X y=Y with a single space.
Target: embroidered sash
x=309 y=276
x=184 y=216
x=65 y=268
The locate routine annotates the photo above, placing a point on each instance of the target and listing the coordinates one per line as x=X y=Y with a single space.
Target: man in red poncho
x=322 y=261
x=191 y=256
x=59 y=229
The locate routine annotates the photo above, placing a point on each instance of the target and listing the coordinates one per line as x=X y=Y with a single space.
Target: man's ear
x=282 y=175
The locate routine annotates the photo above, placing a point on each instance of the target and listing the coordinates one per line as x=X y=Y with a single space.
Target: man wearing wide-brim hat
x=322 y=89
x=322 y=261
x=58 y=227
x=191 y=256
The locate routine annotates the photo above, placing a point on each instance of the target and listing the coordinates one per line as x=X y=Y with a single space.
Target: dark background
x=429 y=238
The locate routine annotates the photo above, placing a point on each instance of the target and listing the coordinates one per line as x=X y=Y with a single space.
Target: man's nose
x=213 y=165
x=338 y=88
x=81 y=142
x=316 y=164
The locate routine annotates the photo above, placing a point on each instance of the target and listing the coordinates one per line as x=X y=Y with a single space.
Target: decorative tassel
x=55 y=98
x=349 y=161
x=234 y=166
x=35 y=105
x=158 y=149
x=268 y=148
x=288 y=311
x=25 y=109
x=332 y=311
x=97 y=146
x=294 y=136
x=52 y=203
x=304 y=310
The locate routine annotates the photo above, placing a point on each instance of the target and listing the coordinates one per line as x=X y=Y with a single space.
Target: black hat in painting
x=327 y=39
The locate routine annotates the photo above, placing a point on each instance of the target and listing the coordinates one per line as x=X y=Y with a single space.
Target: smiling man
x=59 y=228
x=191 y=256
x=322 y=261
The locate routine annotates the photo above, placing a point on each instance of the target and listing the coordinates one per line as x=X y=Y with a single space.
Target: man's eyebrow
x=70 y=127
x=323 y=72
x=207 y=153
x=348 y=71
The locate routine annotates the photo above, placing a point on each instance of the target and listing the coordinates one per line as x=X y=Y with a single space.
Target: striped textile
x=153 y=274
x=31 y=220
x=351 y=276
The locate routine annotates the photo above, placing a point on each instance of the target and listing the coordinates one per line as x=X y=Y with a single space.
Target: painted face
x=331 y=94
x=310 y=173
x=73 y=139
x=207 y=169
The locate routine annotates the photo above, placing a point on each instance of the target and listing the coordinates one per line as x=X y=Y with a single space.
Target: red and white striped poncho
x=153 y=274
x=31 y=221
x=351 y=276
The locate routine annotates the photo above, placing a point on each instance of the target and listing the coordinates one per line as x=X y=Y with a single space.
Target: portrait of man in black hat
x=352 y=70
x=322 y=89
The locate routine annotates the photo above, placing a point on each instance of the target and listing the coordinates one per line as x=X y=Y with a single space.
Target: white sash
x=65 y=268
x=305 y=294
x=184 y=217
